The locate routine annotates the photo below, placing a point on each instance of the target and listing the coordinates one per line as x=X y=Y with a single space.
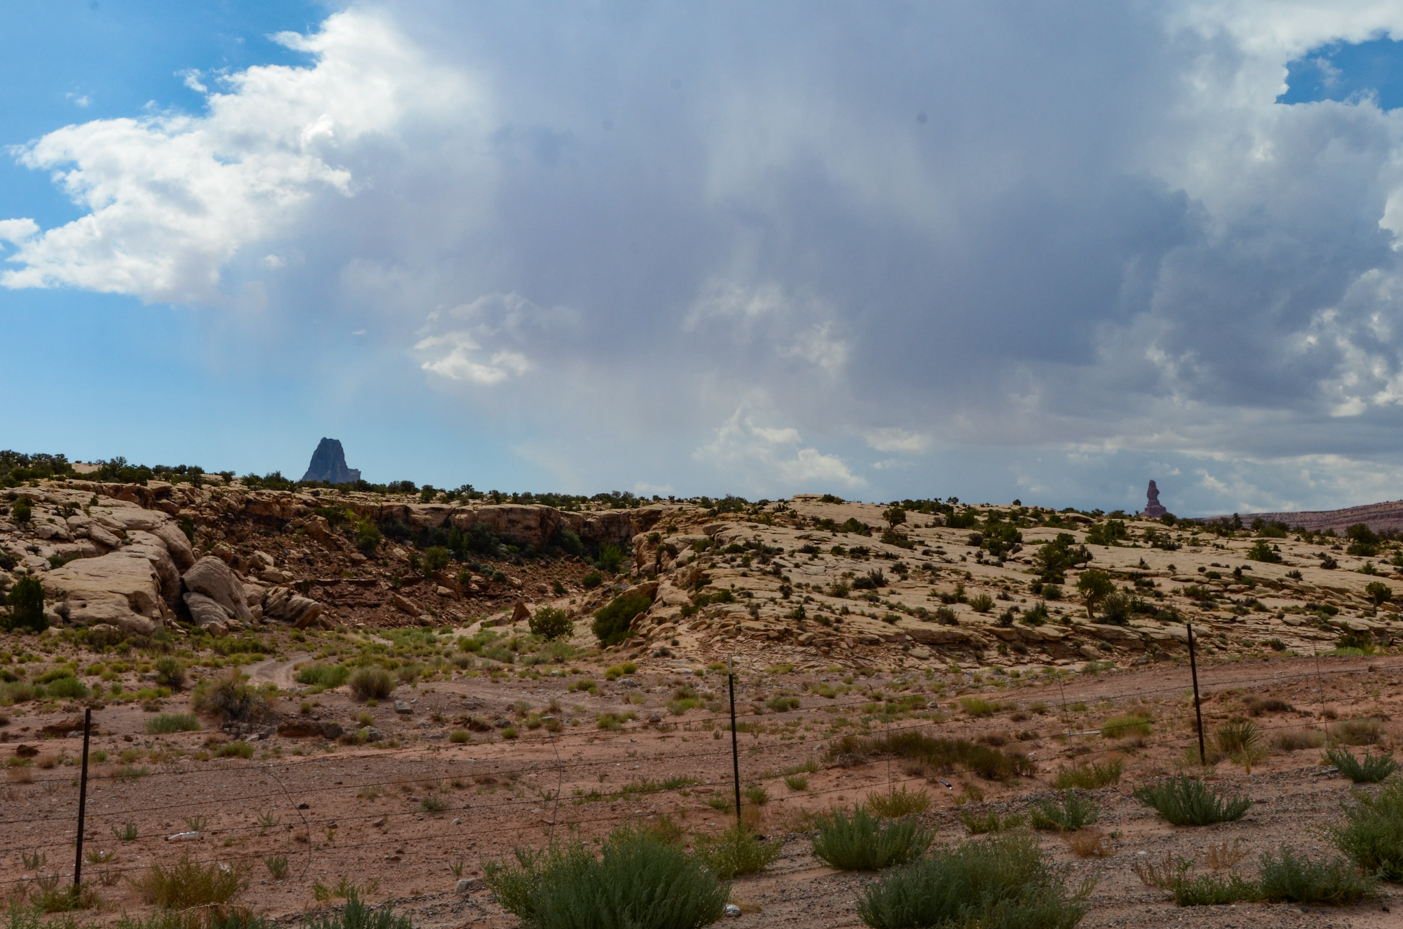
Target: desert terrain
x=848 y=626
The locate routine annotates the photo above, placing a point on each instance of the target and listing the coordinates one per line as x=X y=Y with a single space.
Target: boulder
x=176 y=544
x=113 y=588
x=110 y=614
x=520 y=614
x=404 y=604
x=205 y=610
x=154 y=549
x=285 y=605
x=211 y=576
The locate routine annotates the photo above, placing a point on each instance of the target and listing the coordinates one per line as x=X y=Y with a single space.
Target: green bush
x=1068 y=815
x=640 y=879
x=551 y=623
x=166 y=723
x=1003 y=882
x=863 y=842
x=1372 y=834
x=1089 y=776
x=1261 y=550
x=611 y=623
x=435 y=559
x=1289 y=878
x=1371 y=770
x=323 y=676
x=1187 y=801
x=736 y=851
x=22 y=511
x=26 y=602
x=358 y=915
x=983 y=823
x=170 y=672
x=367 y=537
x=1213 y=889
x=372 y=683
x=610 y=558
x=67 y=688
x=591 y=580
x=189 y=883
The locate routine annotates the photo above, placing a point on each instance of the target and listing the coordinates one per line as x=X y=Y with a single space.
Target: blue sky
x=963 y=249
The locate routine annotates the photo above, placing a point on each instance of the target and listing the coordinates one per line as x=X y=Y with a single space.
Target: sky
x=986 y=250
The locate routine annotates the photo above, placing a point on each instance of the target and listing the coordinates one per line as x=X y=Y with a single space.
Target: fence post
x=735 y=747
x=1198 y=709
x=82 y=800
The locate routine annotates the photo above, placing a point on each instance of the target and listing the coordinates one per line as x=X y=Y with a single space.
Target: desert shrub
x=357 y=915
x=436 y=558
x=371 y=683
x=782 y=703
x=26 y=602
x=981 y=603
x=551 y=623
x=990 y=822
x=1187 y=801
x=736 y=851
x=978 y=706
x=230 y=697
x=611 y=623
x=1090 y=775
x=1212 y=889
x=639 y=880
x=1068 y=815
x=1130 y=724
x=67 y=687
x=1295 y=741
x=323 y=676
x=935 y=754
x=170 y=672
x=896 y=803
x=1005 y=881
x=367 y=537
x=189 y=883
x=591 y=580
x=1370 y=770
x=1290 y=878
x=239 y=749
x=1356 y=731
x=863 y=842
x=167 y=723
x=1372 y=834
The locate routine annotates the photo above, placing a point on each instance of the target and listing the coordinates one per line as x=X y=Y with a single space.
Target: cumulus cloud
x=768 y=455
x=1083 y=240
x=172 y=198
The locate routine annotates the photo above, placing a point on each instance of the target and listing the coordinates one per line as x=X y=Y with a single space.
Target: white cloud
x=18 y=231
x=172 y=198
x=771 y=457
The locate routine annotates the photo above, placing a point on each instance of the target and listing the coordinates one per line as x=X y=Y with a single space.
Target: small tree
x=550 y=623
x=1094 y=587
x=26 y=601
x=367 y=537
x=1379 y=592
x=22 y=511
x=1261 y=550
x=894 y=515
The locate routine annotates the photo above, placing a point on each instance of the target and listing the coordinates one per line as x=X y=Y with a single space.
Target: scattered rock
x=402 y=707
x=468 y=885
x=405 y=605
x=284 y=605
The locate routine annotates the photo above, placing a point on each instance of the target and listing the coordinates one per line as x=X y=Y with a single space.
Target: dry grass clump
x=1088 y=843
x=894 y=804
x=1295 y=741
x=1225 y=855
x=1357 y=731
x=1089 y=775
x=990 y=822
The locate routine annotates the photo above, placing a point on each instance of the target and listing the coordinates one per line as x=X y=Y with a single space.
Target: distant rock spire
x=1152 y=509
x=329 y=464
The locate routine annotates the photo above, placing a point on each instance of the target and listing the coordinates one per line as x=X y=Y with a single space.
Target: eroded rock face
x=285 y=605
x=211 y=577
x=121 y=588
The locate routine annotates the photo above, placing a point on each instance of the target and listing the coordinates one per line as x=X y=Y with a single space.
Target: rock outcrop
x=329 y=464
x=214 y=594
